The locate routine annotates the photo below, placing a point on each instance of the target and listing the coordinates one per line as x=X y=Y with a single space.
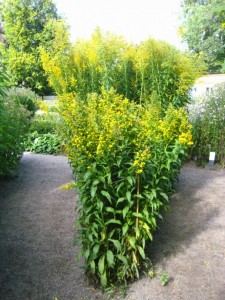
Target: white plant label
x=212 y=156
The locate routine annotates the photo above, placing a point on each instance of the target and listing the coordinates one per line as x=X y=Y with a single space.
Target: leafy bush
x=14 y=123
x=126 y=158
x=207 y=116
x=25 y=97
x=45 y=143
x=43 y=136
x=44 y=123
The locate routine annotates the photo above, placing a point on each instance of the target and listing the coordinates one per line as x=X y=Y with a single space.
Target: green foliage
x=45 y=143
x=126 y=158
x=26 y=29
x=14 y=123
x=43 y=136
x=204 y=31
x=4 y=79
x=45 y=123
x=164 y=279
x=207 y=118
x=152 y=71
x=25 y=97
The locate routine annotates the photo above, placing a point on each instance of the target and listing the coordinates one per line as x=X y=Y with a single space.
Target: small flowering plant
x=126 y=157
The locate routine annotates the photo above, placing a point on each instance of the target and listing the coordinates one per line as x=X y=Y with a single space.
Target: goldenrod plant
x=126 y=134
x=126 y=157
x=145 y=72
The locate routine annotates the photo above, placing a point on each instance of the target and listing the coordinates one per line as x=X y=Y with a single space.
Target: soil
x=38 y=259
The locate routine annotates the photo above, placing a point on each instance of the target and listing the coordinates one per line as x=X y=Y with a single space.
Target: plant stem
x=138 y=192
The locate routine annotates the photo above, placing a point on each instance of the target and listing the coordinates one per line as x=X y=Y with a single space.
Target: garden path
x=37 y=256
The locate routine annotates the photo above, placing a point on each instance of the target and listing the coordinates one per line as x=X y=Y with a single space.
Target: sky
x=136 y=20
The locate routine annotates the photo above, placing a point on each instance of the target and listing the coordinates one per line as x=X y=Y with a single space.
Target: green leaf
x=132 y=242
x=110 y=209
x=141 y=251
x=110 y=258
x=99 y=204
x=125 y=228
x=103 y=236
x=87 y=175
x=130 y=180
x=116 y=244
x=96 y=248
x=108 y=175
x=90 y=236
x=153 y=222
x=137 y=232
x=123 y=259
x=153 y=193
x=87 y=254
x=95 y=182
x=93 y=191
x=101 y=264
x=119 y=186
x=111 y=233
x=102 y=179
x=164 y=196
x=107 y=195
x=137 y=215
x=103 y=279
x=120 y=200
x=125 y=211
x=92 y=266
x=128 y=195
x=147 y=230
x=113 y=221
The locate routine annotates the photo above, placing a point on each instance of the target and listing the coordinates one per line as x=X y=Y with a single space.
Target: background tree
x=25 y=29
x=204 y=31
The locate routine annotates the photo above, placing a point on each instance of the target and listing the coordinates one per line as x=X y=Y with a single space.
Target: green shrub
x=45 y=123
x=47 y=143
x=43 y=136
x=14 y=123
x=207 y=116
x=25 y=97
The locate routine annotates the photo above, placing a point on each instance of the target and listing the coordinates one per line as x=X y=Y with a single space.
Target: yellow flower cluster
x=109 y=125
x=140 y=160
x=175 y=126
x=185 y=138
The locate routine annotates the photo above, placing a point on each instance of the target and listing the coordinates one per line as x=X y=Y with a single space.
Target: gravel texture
x=38 y=258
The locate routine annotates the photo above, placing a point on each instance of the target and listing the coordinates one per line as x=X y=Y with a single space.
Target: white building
x=206 y=83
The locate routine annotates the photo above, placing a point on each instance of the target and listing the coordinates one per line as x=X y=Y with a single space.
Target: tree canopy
x=26 y=28
x=204 y=31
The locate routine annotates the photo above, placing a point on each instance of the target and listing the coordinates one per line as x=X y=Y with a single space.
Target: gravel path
x=37 y=256
x=38 y=259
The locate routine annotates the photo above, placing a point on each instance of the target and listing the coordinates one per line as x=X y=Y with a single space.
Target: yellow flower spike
x=139 y=171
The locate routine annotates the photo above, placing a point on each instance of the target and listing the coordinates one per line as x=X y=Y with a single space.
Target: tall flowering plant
x=126 y=157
